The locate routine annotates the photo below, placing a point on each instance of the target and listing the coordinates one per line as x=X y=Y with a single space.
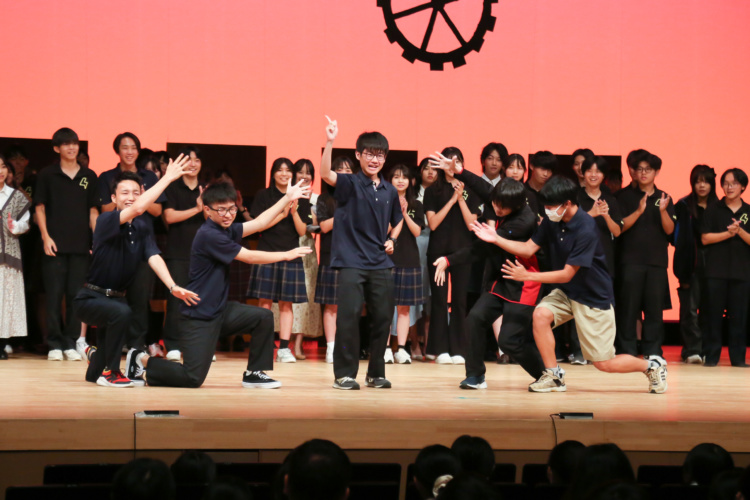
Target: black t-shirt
x=282 y=236
x=728 y=259
x=534 y=200
x=180 y=234
x=67 y=203
x=645 y=242
x=452 y=234
x=406 y=253
x=118 y=249
x=608 y=240
x=324 y=209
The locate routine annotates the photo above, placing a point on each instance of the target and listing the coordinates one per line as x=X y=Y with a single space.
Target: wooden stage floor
x=48 y=406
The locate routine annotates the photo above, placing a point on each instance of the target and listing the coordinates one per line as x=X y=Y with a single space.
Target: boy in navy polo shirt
x=583 y=289
x=216 y=244
x=368 y=208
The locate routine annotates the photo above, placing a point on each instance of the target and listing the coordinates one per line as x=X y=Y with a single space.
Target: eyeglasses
x=369 y=156
x=644 y=170
x=222 y=211
x=731 y=185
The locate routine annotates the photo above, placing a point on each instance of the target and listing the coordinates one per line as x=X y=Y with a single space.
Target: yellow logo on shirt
x=465 y=195
x=411 y=213
x=743 y=219
x=84 y=183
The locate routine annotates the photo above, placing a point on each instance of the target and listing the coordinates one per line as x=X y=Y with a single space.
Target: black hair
x=558 y=190
x=509 y=193
x=83 y=152
x=495 y=146
x=11 y=170
x=635 y=157
x=318 y=470
x=424 y=163
x=441 y=182
x=143 y=160
x=64 y=135
x=411 y=198
x=299 y=165
x=614 y=174
x=193 y=467
x=374 y=142
x=468 y=487
x=452 y=151
x=216 y=174
x=125 y=175
x=228 y=488
x=190 y=149
x=599 y=161
x=544 y=160
x=336 y=163
x=598 y=464
x=563 y=461
x=15 y=150
x=475 y=454
x=120 y=137
x=221 y=192
x=739 y=176
x=707 y=175
x=276 y=166
x=617 y=490
x=431 y=463
x=703 y=462
x=517 y=158
x=145 y=479
x=162 y=156
x=585 y=152
x=652 y=160
x=725 y=485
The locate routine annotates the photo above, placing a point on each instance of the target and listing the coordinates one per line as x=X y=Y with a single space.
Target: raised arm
x=523 y=249
x=266 y=218
x=258 y=257
x=328 y=175
x=175 y=170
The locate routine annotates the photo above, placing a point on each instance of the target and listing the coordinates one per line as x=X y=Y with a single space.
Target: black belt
x=104 y=291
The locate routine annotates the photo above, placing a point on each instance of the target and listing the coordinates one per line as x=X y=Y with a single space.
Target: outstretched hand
x=332 y=129
x=437 y=160
x=484 y=232
x=440 y=266
x=176 y=168
x=188 y=297
x=300 y=190
x=514 y=271
x=298 y=252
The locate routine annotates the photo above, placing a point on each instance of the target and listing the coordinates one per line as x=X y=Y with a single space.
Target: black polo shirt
x=362 y=215
x=324 y=209
x=214 y=248
x=452 y=234
x=608 y=241
x=67 y=203
x=728 y=259
x=645 y=243
x=118 y=249
x=107 y=178
x=577 y=243
x=406 y=253
x=180 y=234
x=282 y=236
x=534 y=200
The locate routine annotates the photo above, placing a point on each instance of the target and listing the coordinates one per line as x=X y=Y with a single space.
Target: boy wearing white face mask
x=583 y=290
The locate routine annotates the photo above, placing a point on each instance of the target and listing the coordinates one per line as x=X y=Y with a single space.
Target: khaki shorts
x=596 y=327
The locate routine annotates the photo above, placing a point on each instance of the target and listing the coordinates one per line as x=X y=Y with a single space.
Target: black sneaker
x=134 y=370
x=473 y=383
x=346 y=384
x=259 y=380
x=377 y=382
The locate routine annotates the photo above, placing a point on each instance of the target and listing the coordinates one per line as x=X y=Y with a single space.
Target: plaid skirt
x=408 y=290
x=327 y=285
x=283 y=281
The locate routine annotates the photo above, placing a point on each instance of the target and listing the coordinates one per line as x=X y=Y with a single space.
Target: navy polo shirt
x=106 y=178
x=118 y=249
x=362 y=216
x=214 y=248
x=577 y=243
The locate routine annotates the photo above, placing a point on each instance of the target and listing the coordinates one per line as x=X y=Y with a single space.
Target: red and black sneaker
x=110 y=378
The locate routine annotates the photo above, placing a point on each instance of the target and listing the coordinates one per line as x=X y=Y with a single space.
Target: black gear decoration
x=436 y=60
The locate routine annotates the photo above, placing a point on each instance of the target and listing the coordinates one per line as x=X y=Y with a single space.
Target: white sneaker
x=458 y=360
x=8 y=349
x=81 y=346
x=55 y=355
x=213 y=360
x=694 y=359
x=174 y=355
x=329 y=353
x=388 y=356
x=72 y=355
x=285 y=356
x=444 y=359
x=429 y=357
x=402 y=357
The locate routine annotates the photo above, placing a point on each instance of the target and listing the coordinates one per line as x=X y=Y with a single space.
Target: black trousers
x=198 y=345
x=63 y=276
x=516 y=334
x=732 y=296
x=112 y=318
x=693 y=317
x=445 y=337
x=641 y=290
x=180 y=270
x=356 y=287
x=139 y=295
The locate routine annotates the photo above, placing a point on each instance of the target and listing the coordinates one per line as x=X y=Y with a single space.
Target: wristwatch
x=393 y=240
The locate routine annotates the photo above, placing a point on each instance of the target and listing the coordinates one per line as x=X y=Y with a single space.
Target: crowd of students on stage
x=47 y=241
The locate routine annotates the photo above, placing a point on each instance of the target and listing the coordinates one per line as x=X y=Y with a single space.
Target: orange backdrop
x=669 y=76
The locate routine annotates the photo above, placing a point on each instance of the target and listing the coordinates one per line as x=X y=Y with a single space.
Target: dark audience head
x=228 y=488
x=559 y=190
x=143 y=479
x=563 y=461
x=318 y=470
x=744 y=493
x=703 y=462
x=434 y=462
x=193 y=467
x=15 y=151
x=468 y=486
x=220 y=192
x=618 y=490
x=475 y=455
x=64 y=136
x=725 y=485
x=599 y=464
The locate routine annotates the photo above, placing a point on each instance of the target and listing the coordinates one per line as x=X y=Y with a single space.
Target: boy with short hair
x=66 y=210
x=542 y=166
x=368 y=208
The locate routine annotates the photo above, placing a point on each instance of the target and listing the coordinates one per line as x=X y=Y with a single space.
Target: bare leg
x=402 y=324
x=329 y=321
x=622 y=363
x=543 y=336
x=286 y=319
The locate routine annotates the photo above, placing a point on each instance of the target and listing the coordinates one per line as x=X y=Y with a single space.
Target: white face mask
x=553 y=215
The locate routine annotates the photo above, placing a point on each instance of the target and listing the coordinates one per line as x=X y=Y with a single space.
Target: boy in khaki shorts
x=584 y=290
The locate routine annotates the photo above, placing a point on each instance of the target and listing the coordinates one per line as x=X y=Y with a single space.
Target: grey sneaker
x=377 y=382
x=346 y=384
x=657 y=376
x=576 y=359
x=473 y=383
x=549 y=382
